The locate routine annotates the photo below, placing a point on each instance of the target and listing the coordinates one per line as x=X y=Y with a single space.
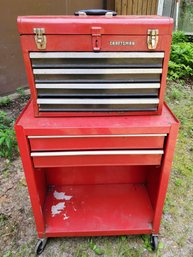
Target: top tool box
x=96 y=65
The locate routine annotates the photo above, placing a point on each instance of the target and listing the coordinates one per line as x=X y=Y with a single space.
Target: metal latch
x=152 y=39
x=40 y=38
x=96 y=38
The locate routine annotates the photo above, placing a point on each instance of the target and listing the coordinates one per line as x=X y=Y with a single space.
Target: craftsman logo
x=122 y=43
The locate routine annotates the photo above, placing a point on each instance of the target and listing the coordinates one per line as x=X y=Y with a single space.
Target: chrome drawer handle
x=91 y=153
x=76 y=101
x=35 y=55
x=97 y=71
x=98 y=136
x=99 y=86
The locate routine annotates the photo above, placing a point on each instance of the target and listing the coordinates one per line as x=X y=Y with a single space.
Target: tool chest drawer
x=97 y=81
x=84 y=142
x=96 y=158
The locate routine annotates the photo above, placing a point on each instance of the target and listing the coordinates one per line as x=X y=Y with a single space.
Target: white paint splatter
x=57 y=209
x=66 y=217
x=62 y=196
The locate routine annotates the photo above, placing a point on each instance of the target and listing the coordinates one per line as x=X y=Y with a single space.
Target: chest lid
x=82 y=25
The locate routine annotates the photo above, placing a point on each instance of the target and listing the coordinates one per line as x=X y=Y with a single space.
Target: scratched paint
x=62 y=196
x=74 y=208
x=66 y=217
x=58 y=208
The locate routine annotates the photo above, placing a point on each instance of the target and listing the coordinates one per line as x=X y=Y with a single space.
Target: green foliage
x=181 y=57
x=3 y=219
x=178 y=182
x=8 y=145
x=146 y=242
x=160 y=247
x=5 y=121
x=8 y=254
x=178 y=37
x=20 y=91
x=4 y=101
x=95 y=248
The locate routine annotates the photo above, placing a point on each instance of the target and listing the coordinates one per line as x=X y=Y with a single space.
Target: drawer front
x=84 y=142
x=96 y=158
x=97 y=82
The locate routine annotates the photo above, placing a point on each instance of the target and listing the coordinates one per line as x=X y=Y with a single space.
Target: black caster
x=40 y=246
x=154 y=242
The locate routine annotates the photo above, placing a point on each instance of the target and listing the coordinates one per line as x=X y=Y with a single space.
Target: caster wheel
x=154 y=242
x=40 y=246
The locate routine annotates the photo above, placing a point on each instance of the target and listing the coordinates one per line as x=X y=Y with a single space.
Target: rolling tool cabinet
x=96 y=65
x=91 y=176
x=96 y=158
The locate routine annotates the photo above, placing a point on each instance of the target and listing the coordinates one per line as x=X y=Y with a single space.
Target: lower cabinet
x=99 y=177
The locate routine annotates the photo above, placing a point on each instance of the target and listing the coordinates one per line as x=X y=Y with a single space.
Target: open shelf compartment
x=108 y=209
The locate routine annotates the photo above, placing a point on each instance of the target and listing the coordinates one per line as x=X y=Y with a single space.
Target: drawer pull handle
x=86 y=153
x=99 y=86
x=118 y=55
x=76 y=101
x=99 y=136
x=97 y=71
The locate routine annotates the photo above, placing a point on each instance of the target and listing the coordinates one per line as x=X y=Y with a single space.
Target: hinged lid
x=72 y=25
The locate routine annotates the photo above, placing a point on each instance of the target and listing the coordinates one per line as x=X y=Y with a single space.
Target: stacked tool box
x=96 y=139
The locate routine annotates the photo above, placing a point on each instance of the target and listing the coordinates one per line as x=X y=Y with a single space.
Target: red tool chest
x=96 y=65
x=102 y=168
x=90 y=176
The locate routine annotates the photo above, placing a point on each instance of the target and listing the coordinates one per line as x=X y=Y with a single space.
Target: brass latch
x=40 y=38
x=152 y=39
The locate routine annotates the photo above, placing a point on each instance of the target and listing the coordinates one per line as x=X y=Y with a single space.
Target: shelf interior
x=103 y=209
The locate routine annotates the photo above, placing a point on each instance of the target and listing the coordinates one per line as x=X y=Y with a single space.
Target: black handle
x=95 y=12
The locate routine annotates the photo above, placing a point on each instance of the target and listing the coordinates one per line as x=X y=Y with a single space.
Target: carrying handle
x=95 y=12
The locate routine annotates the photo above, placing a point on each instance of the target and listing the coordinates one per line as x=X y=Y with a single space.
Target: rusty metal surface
x=12 y=73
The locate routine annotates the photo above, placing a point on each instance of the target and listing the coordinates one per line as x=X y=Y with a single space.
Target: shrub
x=8 y=144
x=181 y=57
x=178 y=37
x=4 y=101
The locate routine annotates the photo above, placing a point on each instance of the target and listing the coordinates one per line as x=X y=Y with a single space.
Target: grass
x=179 y=198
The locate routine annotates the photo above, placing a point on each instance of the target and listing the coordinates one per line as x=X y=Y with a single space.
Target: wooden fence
x=136 y=7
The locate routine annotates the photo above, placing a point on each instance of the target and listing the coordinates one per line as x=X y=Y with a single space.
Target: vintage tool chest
x=96 y=158
x=96 y=65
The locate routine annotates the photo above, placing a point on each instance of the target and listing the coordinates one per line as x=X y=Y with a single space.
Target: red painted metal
x=96 y=141
x=36 y=181
x=111 y=195
x=96 y=160
x=69 y=33
x=115 y=125
x=97 y=175
x=88 y=215
x=73 y=25
x=164 y=176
